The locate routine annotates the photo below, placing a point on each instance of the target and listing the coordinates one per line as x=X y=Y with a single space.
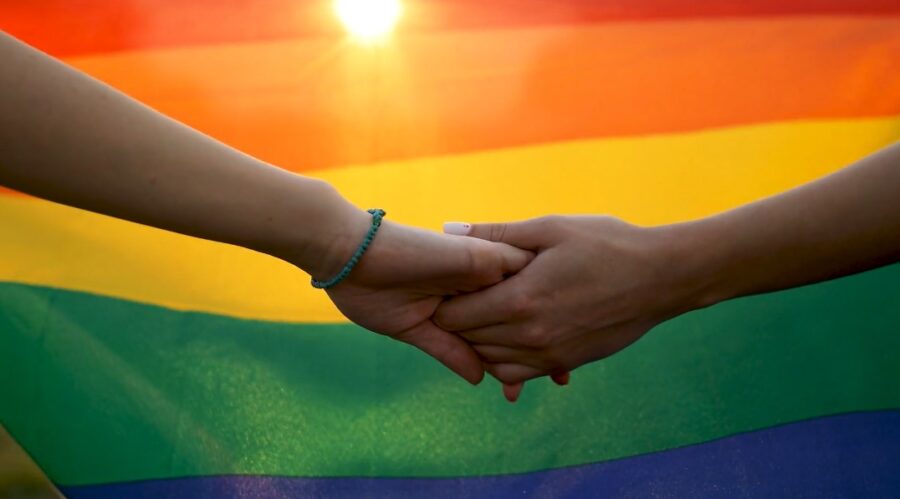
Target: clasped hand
x=518 y=300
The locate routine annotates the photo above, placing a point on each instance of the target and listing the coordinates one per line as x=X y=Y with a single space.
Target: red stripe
x=69 y=27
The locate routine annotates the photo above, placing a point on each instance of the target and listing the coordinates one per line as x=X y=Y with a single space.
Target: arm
x=598 y=284
x=71 y=139
x=841 y=224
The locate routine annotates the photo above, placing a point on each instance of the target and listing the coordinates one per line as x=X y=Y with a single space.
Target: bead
x=377 y=216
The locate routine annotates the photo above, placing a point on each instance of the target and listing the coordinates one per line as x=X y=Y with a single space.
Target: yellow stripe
x=648 y=180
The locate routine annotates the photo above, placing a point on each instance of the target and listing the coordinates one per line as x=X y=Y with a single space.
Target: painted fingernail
x=457 y=228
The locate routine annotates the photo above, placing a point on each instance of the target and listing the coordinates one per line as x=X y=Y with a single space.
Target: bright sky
x=369 y=20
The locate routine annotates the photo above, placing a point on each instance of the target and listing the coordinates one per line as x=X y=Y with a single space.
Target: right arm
x=598 y=284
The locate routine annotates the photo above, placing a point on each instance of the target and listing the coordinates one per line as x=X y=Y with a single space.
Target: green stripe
x=102 y=390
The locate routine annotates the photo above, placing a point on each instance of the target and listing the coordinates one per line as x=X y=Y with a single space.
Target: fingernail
x=457 y=228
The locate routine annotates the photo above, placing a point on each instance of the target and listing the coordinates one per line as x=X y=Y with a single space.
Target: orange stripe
x=66 y=27
x=313 y=104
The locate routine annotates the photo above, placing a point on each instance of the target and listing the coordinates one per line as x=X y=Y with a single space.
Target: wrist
x=696 y=263
x=324 y=233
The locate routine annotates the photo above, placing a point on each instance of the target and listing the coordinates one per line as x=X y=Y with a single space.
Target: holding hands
x=520 y=300
x=593 y=285
x=578 y=289
x=406 y=274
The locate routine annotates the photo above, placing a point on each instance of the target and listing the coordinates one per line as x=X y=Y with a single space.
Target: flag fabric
x=140 y=363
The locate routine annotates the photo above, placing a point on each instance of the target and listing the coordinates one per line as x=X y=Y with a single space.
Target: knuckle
x=474 y=256
x=485 y=263
x=535 y=336
x=550 y=220
x=550 y=224
x=498 y=232
x=445 y=318
x=520 y=305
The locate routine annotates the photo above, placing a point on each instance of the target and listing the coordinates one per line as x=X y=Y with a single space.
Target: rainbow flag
x=140 y=363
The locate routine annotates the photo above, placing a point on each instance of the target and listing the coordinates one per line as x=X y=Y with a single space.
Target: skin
x=69 y=138
x=599 y=284
x=595 y=286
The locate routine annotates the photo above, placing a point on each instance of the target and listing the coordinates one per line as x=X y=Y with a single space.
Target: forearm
x=69 y=138
x=838 y=225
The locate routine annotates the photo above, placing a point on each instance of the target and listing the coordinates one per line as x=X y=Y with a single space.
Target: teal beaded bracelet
x=377 y=216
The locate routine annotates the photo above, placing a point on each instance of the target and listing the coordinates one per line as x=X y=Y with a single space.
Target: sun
x=368 y=20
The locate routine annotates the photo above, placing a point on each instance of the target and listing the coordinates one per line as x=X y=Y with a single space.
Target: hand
x=404 y=276
x=596 y=285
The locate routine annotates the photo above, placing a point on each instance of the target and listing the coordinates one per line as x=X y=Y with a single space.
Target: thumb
x=526 y=235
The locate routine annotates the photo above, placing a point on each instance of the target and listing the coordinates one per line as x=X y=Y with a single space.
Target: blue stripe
x=851 y=455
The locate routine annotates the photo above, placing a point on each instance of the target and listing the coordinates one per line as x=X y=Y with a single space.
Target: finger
x=498 y=354
x=526 y=235
x=488 y=263
x=514 y=373
x=448 y=348
x=561 y=379
x=513 y=259
x=512 y=392
x=497 y=304
x=503 y=335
